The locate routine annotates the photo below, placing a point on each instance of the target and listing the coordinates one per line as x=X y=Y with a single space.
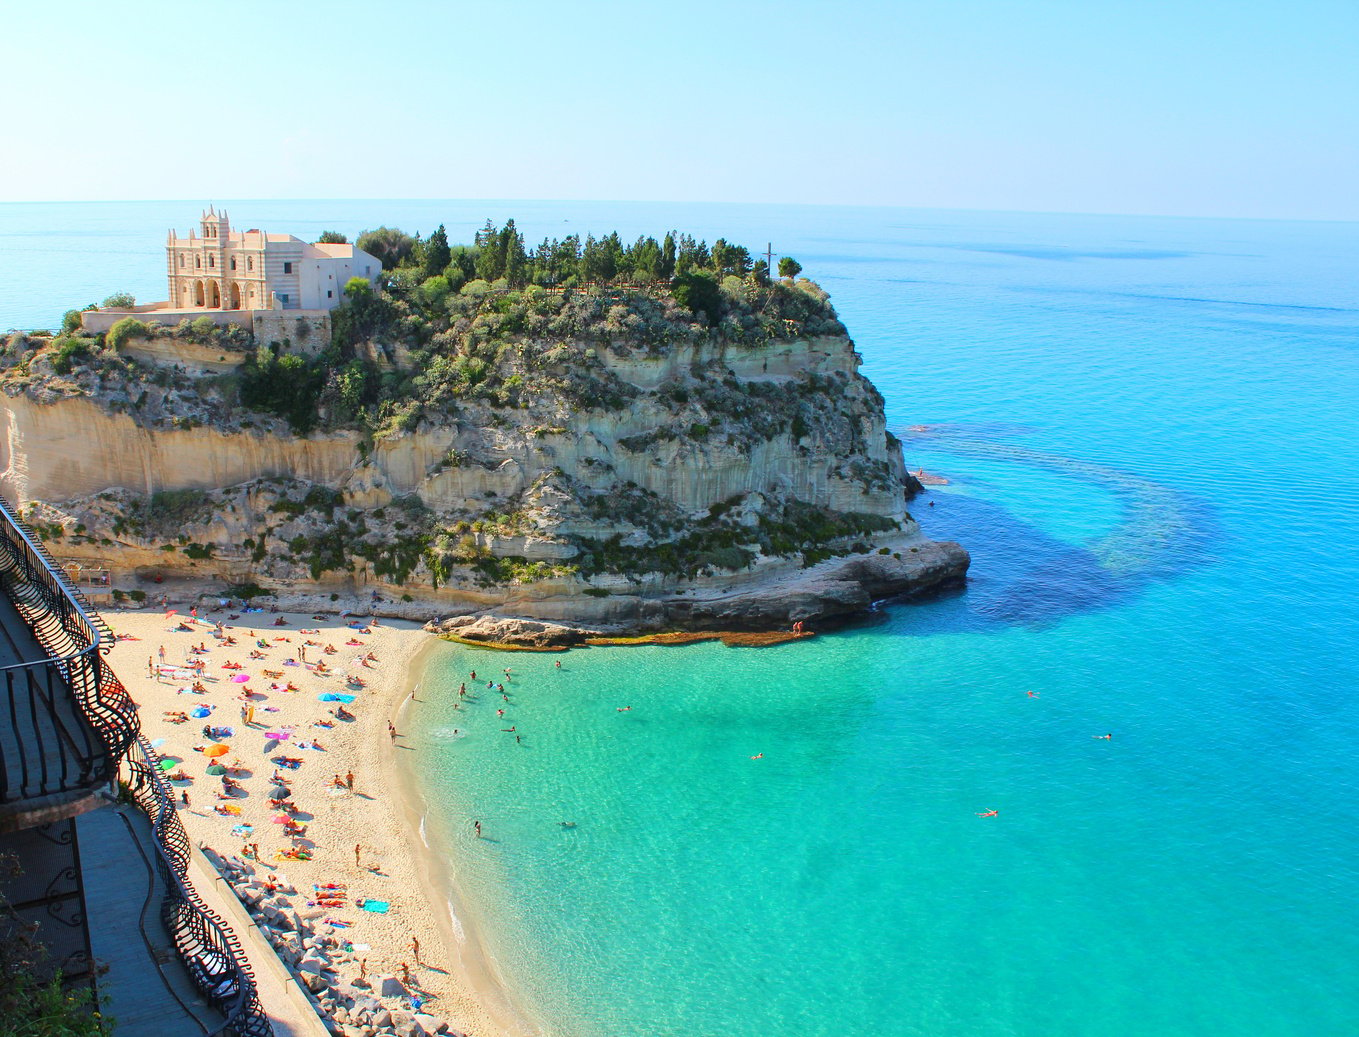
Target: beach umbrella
x=280 y=792
x=201 y=712
x=156 y=743
x=240 y=678
x=168 y=765
x=216 y=750
x=281 y=819
x=270 y=746
x=216 y=770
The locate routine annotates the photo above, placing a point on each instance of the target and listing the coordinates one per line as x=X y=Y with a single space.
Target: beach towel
x=377 y=907
x=335 y=696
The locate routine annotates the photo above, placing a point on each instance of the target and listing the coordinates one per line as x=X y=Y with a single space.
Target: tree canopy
x=500 y=254
x=387 y=244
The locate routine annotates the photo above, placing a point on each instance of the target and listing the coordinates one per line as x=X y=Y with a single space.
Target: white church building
x=232 y=274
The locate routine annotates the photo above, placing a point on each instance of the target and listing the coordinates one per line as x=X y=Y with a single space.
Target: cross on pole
x=769 y=258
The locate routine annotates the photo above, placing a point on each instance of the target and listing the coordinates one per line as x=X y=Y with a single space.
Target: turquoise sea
x=1150 y=428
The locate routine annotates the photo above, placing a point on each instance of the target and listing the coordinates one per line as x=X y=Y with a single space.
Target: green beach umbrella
x=216 y=769
x=168 y=765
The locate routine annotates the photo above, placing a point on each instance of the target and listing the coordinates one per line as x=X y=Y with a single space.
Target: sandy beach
x=268 y=713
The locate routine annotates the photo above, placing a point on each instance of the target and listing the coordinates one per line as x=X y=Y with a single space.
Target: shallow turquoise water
x=1150 y=429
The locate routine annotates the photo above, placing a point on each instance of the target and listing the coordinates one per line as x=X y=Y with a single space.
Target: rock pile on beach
x=325 y=963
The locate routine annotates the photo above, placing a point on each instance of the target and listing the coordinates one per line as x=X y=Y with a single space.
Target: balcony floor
x=149 y=990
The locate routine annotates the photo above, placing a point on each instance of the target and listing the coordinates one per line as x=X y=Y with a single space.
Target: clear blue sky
x=1197 y=107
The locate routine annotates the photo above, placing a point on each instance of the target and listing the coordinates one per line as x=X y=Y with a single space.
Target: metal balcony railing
x=206 y=944
x=65 y=719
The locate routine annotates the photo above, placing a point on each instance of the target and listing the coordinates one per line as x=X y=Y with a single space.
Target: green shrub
x=128 y=327
x=70 y=352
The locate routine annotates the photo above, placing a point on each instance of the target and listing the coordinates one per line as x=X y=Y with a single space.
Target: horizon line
x=635 y=201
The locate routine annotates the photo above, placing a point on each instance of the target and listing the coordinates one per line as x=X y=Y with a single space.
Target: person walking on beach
x=415 y=949
x=150 y=667
x=391 y=730
x=162 y=654
x=477 y=826
x=363 y=968
x=349 y=781
x=405 y=974
x=357 y=848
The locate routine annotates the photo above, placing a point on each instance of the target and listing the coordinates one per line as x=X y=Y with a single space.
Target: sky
x=1248 y=108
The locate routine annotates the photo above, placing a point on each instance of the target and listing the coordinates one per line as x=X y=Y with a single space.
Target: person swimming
x=623 y=709
x=1103 y=738
x=1032 y=694
x=758 y=756
x=989 y=813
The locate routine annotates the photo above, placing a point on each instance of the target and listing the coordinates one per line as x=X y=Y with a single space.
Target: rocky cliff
x=637 y=469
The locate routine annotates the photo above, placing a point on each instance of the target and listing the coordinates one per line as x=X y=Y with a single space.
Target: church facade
x=223 y=269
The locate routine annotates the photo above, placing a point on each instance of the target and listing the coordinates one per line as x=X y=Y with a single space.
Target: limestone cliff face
x=725 y=469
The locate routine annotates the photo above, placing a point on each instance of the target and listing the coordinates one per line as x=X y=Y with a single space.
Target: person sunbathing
x=340 y=713
x=331 y=649
x=200 y=688
x=228 y=640
x=256 y=654
x=175 y=716
x=321 y=667
x=229 y=665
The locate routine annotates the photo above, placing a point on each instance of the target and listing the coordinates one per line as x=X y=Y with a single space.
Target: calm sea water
x=1149 y=427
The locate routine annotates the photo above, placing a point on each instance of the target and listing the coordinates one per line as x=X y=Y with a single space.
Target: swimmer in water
x=559 y=664
x=567 y=824
x=500 y=712
x=623 y=709
x=1102 y=738
x=758 y=756
x=1032 y=694
x=989 y=813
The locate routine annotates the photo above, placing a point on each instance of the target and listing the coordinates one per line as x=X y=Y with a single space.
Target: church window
x=284 y=297
x=212 y=261
x=233 y=262
x=250 y=262
x=287 y=268
x=329 y=294
x=197 y=260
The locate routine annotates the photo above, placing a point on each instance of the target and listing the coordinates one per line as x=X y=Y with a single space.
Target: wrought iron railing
x=70 y=718
x=206 y=944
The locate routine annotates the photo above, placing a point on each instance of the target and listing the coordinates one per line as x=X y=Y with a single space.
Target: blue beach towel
x=377 y=907
x=335 y=696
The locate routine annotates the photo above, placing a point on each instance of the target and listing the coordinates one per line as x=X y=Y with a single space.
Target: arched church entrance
x=235 y=296
x=214 y=296
x=198 y=294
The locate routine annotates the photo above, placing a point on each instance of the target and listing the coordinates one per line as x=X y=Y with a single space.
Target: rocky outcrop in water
x=739 y=477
